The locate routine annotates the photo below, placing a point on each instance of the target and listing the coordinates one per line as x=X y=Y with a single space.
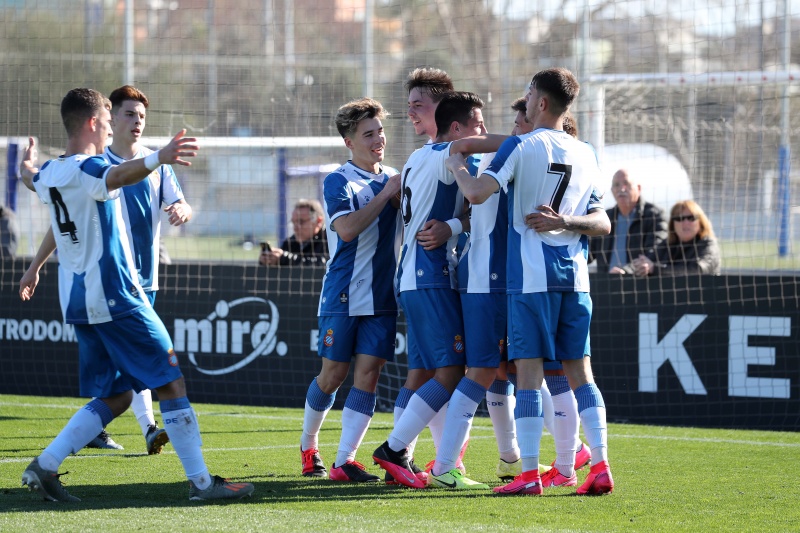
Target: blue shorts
x=549 y=325
x=484 y=328
x=435 y=328
x=133 y=352
x=341 y=337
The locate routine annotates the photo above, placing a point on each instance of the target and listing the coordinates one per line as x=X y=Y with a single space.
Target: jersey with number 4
x=141 y=209
x=97 y=279
x=429 y=192
x=546 y=167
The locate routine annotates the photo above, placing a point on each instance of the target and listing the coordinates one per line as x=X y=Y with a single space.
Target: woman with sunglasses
x=690 y=248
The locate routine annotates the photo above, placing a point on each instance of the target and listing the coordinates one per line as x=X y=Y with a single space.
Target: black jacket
x=699 y=256
x=647 y=231
x=313 y=252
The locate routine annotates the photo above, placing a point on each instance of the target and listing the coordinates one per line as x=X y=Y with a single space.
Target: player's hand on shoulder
x=179 y=147
x=455 y=161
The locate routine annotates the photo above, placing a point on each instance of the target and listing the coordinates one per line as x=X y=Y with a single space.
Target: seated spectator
x=690 y=248
x=637 y=228
x=309 y=244
x=9 y=233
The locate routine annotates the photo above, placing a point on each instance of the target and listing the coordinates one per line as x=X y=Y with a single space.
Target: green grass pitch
x=667 y=479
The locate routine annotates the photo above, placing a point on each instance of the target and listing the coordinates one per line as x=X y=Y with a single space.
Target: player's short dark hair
x=520 y=104
x=79 y=105
x=350 y=114
x=560 y=85
x=125 y=93
x=433 y=81
x=456 y=106
x=570 y=125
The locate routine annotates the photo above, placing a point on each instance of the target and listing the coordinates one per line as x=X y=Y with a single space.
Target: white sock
x=398 y=412
x=567 y=424
x=356 y=416
x=181 y=425
x=312 y=422
x=501 y=412
x=436 y=426
x=547 y=408
x=596 y=431
x=416 y=416
x=142 y=406
x=529 y=427
x=84 y=425
x=354 y=427
x=458 y=423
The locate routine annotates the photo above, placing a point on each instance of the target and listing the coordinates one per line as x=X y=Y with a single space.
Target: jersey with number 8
x=546 y=167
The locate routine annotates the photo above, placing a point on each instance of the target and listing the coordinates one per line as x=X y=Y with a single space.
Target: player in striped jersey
x=122 y=343
x=141 y=210
x=425 y=87
x=426 y=277
x=357 y=307
x=549 y=308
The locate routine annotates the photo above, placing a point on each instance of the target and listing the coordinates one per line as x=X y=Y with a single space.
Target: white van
x=664 y=180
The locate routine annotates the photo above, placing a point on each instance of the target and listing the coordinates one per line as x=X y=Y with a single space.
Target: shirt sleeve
x=338 y=197
x=505 y=161
x=94 y=172
x=170 y=187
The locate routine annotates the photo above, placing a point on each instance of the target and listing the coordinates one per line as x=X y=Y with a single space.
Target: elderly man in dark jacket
x=637 y=228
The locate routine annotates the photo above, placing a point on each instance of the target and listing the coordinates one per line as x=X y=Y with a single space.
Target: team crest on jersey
x=494 y=276
x=327 y=340
x=343 y=298
x=420 y=273
x=134 y=292
x=172 y=358
x=458 y=344
x=112 y=302
x=445 y=271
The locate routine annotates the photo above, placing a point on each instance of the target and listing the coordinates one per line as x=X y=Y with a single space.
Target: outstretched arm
x=136 y=170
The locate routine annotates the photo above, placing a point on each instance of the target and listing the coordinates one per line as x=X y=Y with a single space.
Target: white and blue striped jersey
x=482 y=266
x=141 y=210
x=429 y=192
x=553 y=168
x=97 y=280
x=359 y=277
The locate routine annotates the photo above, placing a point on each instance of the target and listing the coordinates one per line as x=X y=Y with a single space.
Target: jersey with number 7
x=546 y=167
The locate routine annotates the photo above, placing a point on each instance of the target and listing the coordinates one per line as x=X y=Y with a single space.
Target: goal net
x=700 y=103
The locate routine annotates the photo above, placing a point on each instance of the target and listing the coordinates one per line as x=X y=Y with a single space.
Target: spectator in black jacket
x=9 y=233
x=637 y=228
x=309 y=244
x=690 y=248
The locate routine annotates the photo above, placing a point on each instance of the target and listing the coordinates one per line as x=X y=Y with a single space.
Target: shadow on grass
x=268 y=490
